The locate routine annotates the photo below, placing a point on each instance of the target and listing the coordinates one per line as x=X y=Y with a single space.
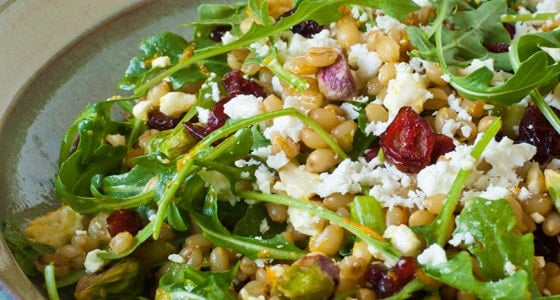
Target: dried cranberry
x=546 y=246
x=124 y=220
x=218 y=32
x=502 y=47
x=535 y=130
x=498 y=47
x=217 y=116
x=236 y=84
x=160 y=121
x=408 y=141
x=510 y=29
x=386 y=282
x=197 y=131
x=442 y=145
x=307 y=28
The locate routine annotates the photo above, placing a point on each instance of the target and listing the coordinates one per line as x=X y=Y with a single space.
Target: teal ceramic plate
x=55 y=57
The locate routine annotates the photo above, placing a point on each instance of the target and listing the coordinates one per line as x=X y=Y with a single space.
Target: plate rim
x=86 y=17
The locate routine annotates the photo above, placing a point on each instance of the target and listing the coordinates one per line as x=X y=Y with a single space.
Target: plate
x=57 y=56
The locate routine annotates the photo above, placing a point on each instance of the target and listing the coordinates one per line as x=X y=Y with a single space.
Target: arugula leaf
x=260 y=9
x=88 y=131
x=250 y=224
x=212 y=15
x=471 y=31
x=140 y=67
x=25 y=252
x=183 y=282
x=140 y=238
x=458 y=273
x=490 y=223
x=277 y=247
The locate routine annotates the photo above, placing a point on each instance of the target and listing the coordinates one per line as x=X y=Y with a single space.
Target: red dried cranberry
x=510 y=29
x=498 y=47
x=408 y=141
x=160 y=121
x=386 y=282
x=546 y=246
x=236 y=84
x=307 y=28
x=197 y=131
x=442 y=145
x=124 y=220
x=502 y=47
x=218 y=32
x=535 y=130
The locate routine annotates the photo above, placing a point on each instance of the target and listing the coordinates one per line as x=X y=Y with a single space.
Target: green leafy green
x=472 y=30
x=212 y=15
x=142 y=236
x=255 y=221
x=183 y=282
x=25 y=252
x=140 y=67
x=491 y=224
x=458 y=273
x=277 y=247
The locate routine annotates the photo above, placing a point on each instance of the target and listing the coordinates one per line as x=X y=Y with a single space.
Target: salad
x=318 y=149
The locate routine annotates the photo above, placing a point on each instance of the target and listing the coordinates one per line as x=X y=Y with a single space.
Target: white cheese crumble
x=296 y=181
x=509 y=268
x=432 y=256
x=228 y=38
x=298 y=44
x=406 y=89
x=538 y=218
x=142 y=108
x=366 y=62
x=116 y=139
x=175 y=103
x=403 y=239
x=466 y=238
x=243 y=106
x=161 y=62
x=351 y=110
x=437 y=178
x=278 y=160
x=264 y=179
x=203 y=114
x=264 y=227
x=176 y=258
x=305 y=222
x=386 y=23
x=93 y=263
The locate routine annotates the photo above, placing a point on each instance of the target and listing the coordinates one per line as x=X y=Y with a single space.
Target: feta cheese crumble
x=93 y=263
x=403 y=239
x=432 y=256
